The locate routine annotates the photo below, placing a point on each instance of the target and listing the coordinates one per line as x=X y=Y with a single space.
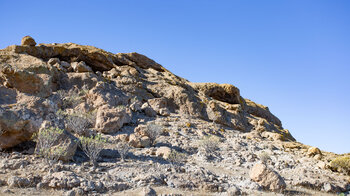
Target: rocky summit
x=77 y=120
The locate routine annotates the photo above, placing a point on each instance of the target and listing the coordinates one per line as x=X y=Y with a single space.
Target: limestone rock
x=312 y=151
x=148 y=191
x=80 y=67
x=266 y=177
x=28 y=41
x=110 y=120
x=138 y=141
x=222 y=92
x=163 y=151
x=18 y=182
x=160 y=106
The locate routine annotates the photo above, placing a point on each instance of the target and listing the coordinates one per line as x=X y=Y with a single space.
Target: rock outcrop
x=187 y=138
x=38 y=74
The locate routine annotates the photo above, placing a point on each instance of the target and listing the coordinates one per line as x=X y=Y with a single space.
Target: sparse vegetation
x=70 y=98
x=176 y=158
x=341 y=164
x=92 y=146
x=45 y=140
x=264 y=157
x=153 y=131
x=78 y=122
x=209 y=144
x=123 y=149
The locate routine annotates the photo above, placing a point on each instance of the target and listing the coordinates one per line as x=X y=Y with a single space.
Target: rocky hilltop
x=185 y=138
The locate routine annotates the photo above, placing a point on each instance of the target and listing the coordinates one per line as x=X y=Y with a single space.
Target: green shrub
x=341 y=164
x=92 y=146
x=45 y=143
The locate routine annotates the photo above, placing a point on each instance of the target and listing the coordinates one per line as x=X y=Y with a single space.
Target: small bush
x=209 y=144
x=176 y=158
x=264 y=157
x=92 y=146
x=78 y=122
x=69 y=98
x=341 y=164
x=45 y=140
x=153 y=131
x=123 y=149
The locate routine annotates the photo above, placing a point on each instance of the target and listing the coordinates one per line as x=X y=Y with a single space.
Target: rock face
x=266 y=177
x=28 y=41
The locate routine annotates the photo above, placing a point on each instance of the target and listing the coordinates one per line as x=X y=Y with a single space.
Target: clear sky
x=292 y=56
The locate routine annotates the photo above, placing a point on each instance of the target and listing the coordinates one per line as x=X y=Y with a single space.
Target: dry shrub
x=341 y=164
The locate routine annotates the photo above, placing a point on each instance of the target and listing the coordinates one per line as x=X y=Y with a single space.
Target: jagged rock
x=222 y=92
x=267 y=178
x=261 y=111
x=160 y=106
x=32 y=76
x=149 y=111
x=28 y=41
x=18 y=182
x=62 y=180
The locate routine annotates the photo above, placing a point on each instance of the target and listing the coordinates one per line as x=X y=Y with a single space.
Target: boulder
x=233 y=190
x=28 y=41
x=148 y=191
x=149 y=111
x=139 y=141
x=110 y=120
x=312 y=151
x=80 y=67
x=160 y=106
x=18 y=182
x=163 y=151
x=31 y=82
x=267 y=178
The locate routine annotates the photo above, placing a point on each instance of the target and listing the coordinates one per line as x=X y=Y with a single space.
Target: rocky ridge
x=123 y=94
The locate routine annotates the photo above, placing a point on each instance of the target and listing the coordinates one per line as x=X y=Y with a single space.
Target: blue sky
x=292 y=56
